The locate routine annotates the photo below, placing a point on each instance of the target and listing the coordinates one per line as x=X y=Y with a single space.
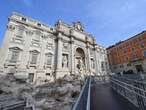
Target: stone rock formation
x=58 y=95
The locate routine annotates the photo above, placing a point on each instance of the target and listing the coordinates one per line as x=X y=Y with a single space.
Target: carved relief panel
x=49 y=46
x=66 y=47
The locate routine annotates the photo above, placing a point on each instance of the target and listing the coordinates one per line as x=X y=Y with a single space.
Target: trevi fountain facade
x=38 y=52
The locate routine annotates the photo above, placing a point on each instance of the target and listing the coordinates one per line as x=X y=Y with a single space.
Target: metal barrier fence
x=83 y=101
x=134 y=91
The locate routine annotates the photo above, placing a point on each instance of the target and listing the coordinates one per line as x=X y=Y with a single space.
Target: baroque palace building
x=129 y=54
x=36 y=51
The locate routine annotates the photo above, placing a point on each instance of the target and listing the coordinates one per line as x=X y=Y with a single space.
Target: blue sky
x=109 y=20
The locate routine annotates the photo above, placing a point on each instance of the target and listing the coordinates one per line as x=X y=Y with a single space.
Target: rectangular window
x=49 y=59
x=144 y=53
x=133 y=55
x=34 y=57
x=133 y=49
x=142 y=45
x=30 y=77
x=14 y=56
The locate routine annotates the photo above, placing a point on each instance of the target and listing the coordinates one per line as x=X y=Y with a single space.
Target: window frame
x=49 y=59
x=33 y=54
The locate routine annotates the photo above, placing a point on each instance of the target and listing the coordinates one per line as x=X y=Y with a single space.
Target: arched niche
x=79 y=59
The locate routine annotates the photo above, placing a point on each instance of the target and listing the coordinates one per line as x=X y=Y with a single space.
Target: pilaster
x=59 y=51
x=95 y=60
x=88 y=58
x=72 y=55
x=59 y=56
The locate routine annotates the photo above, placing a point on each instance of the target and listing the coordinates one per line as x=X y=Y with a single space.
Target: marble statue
x=64 y=61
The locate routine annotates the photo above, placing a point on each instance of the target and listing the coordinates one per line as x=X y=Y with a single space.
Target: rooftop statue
x=78 y=26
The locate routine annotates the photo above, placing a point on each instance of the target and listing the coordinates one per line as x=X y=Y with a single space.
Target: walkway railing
x=132 y=90
x=83 y=101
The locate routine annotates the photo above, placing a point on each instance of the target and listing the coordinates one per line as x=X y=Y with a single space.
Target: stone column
x=59 y=56
x=72 y=56
x=59 y=52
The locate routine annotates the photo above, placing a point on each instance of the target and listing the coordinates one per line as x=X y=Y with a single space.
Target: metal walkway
x=116 y=93
x=104 y=98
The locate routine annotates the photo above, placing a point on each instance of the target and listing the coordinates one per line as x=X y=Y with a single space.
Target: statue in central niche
x=80 y=65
